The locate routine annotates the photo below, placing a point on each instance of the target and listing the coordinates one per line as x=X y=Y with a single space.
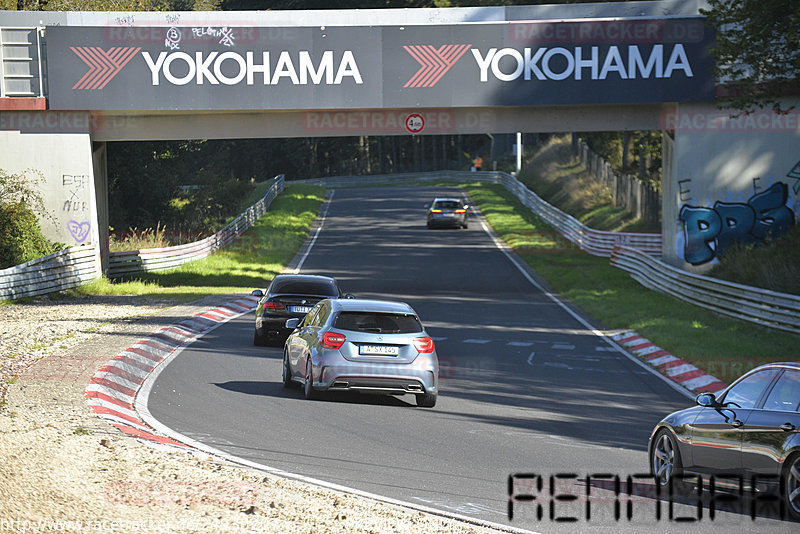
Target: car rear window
x=303 y=287
x=447 y=205
x=379 y=323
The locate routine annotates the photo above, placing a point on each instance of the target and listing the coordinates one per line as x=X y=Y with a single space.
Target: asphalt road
x=525 y=387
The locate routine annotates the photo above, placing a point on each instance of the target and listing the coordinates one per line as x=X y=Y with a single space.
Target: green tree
x=21 y=236
x=757 y=52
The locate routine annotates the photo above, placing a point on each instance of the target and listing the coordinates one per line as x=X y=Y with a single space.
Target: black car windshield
x=379 y=323
x=447 y=205
x=305 y=287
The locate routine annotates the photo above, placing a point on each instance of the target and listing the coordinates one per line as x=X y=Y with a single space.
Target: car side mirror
x=466 y=206
x=708 y=400
x=349 y=296
x=257 y=293
x=292 y=323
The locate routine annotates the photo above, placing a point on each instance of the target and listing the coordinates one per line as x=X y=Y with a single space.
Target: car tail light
x=436 y=211
x=270 y=305
x=333 y=340
x=423 y=344
x=461 y=211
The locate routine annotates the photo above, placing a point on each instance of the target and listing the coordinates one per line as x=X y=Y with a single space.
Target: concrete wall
x=57 y=145
x=732 y=179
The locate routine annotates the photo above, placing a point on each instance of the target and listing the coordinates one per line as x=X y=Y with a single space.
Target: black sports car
x=289 y=295
x=751 y=430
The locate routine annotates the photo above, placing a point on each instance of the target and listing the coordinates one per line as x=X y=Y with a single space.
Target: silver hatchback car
x=370 y=346
x=447 y=212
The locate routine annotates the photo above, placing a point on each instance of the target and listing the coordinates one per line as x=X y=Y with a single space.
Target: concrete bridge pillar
x=727 y=179
x=55 y=147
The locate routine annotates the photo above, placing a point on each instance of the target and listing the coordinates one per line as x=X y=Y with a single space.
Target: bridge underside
x=135 y=126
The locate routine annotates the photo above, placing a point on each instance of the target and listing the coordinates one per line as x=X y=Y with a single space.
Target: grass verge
x=722 y=347
x=559 y=178
x=254 y=258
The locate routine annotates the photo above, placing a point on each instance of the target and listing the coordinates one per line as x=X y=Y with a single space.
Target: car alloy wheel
x=308 y=389
x=665 y=459
x=791 y=486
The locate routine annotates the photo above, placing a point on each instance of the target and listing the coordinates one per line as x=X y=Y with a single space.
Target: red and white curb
x=113 y=388
x=679 y=371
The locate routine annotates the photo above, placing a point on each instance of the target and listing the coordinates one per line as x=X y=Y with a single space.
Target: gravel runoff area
x=62 y=469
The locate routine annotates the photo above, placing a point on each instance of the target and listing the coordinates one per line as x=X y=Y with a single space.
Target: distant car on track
x=751 y=429
x=369 y=346
x=447 y=212
x=288 y=296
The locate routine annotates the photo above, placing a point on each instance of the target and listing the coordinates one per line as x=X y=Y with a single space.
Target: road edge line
x=556 y=298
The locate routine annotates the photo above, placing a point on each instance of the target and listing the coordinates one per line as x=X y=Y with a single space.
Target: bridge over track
x=73 y=81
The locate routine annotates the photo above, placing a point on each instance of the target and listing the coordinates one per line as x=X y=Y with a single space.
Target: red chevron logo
x=103 y=65
x=435 y=62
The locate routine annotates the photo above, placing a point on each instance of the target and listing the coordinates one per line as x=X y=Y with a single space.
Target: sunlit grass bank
x=246 y=264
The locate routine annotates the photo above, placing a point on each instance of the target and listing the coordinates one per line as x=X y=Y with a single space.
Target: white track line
x=316 y=234
x=504 y=249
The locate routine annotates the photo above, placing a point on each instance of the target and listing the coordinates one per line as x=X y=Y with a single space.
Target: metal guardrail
x=595 y=242
x=633 y=252
x=768 y=308
x=133 y=262
x=61 y=270
x=77 y=265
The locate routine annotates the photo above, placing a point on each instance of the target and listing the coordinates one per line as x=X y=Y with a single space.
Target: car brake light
x=436 y=211
x=270 y=305
x=333 y=340
x=423 y=344
x=461 y=211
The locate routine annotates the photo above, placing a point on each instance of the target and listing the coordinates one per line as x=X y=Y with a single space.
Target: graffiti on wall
x=79 y=230
x=76 y=205
x=708 y=232
x=795 y=174
x=75 y=187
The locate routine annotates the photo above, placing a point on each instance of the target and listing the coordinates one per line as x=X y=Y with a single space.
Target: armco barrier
x=77 y=265
x=595 y=242
x=133 y=262
x=768 y=308
x=62 y=270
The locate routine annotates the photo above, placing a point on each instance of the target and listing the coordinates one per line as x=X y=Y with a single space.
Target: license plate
x=383 y=350
x=301 y=309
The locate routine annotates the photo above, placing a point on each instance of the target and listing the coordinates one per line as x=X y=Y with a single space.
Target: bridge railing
x=595 y=242
x=134 y=262
x=62 y=270
x=768 y=308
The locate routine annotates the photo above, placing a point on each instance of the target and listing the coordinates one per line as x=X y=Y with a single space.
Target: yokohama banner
x=465 y=65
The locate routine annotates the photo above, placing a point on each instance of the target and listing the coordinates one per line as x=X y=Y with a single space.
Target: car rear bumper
x=446 y=221
x=391 y=379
